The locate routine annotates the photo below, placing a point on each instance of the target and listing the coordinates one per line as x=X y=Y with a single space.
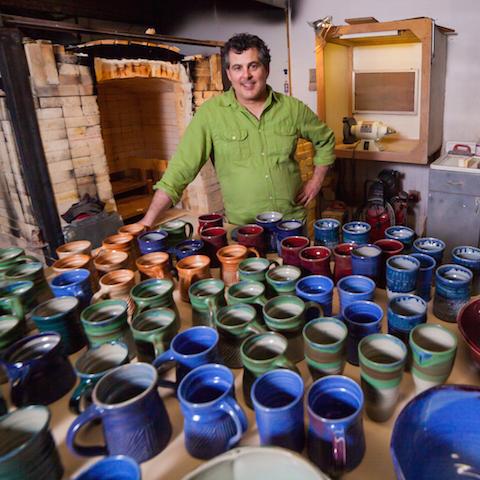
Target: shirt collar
x=229 y=99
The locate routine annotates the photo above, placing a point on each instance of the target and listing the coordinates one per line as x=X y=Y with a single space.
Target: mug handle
x=161 y=360
x=234 y=234
x=100 y=295
x=83 y=389
x=15 y=306
x=284 y=362
x=316 y=306
x=255 y=327
x=212 y=312
x=273 y=264
x=189 y=227
x=261 y=301
x=29 y=257
x=254 y=251
x=232 y=408
x=92 y=413
x=339 y=450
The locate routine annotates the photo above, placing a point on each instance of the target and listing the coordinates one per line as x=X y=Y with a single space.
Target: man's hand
x=311 y=188
x=160 y=203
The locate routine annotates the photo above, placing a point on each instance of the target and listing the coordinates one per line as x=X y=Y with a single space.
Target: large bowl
x=437 y=435
x=257 y=463
x=468 y=321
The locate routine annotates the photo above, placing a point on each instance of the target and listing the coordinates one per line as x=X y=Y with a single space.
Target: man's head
x=247 y=59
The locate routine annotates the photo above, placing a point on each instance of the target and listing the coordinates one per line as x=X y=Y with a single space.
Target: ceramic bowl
x=257 y=463
x=468 y=321
x=437 y=435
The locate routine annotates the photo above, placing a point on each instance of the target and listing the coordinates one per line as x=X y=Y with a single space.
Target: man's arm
x=311 y=188
x=160 y=202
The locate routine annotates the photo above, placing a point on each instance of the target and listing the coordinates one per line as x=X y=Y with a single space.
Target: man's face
x=247 y=75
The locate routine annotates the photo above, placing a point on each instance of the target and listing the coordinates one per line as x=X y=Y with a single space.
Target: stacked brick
x=69 y=122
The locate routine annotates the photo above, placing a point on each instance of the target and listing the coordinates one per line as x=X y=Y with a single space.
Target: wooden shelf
x=127 y=184
x=133 y=206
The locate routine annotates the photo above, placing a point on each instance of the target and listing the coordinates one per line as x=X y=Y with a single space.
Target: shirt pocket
x=284 y=142
x=234 y=146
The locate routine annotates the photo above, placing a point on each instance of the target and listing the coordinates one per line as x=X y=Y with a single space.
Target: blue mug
x=405 y=312
x=362 y=318
x=318 y=289
x=189 y=349
x=469 y=257
x=61 y=315
x=188 y=248
x=214 y=422
x=335 y=441
x=269 y=221
x=118 y=467
x=366 y=260
x=354 y=287
x=134 y=419
x=73 y=283
x=401 y=273
x=152 y=241
x=401 y=233
x=425 y=275
x=287 y=228
x=453 y=285
x=277 y=398
x=38 y=369
x=327 y=232
x=430 y=246
x=356 y=232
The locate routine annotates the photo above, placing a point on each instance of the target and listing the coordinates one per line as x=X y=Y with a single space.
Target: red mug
x=316 y=260
x=390 y=247
x=250 y=235
x=290 y=248
x=343 y=260
x=209 y=220
x=214 y=238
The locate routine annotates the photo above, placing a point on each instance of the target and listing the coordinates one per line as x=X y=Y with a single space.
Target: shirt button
x=234 y=137
x=263 y=154
x=266 y=176
x=271 y=198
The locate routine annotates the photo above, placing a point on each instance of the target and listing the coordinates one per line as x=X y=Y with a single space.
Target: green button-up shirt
x=253 y=157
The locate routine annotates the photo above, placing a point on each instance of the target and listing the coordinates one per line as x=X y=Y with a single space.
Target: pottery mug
x=230 y=258
x=190 y=270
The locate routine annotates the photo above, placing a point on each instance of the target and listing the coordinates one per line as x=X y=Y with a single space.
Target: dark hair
x=243 y=41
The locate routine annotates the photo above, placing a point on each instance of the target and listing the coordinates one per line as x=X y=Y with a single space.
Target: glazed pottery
x=469 y=257
x=316 y=261
x=433 y=353
x=362 y=318
x=90 y=367
x=325 y=342
x=230 y=258
x=290 y=248
x=122 y=242
x=119 y=467
x=436 y=435
x=327 y=232
x=78 y=246
x=209 y=220
x=353 y=288
x=110 y=260
x=214 y=238
x=155 y=265
x=277 y=398
x=468 y=321
x=317 y=289
x=38 y=369
x=430 y=246
x=178 y=230
x=382 y=361
x=206 y=297
x=356 y=232
x=425 y=275
x=153 y=293
x=250 y=235
x=12 y=329
x=27 y=447
x=115 y=285
x=269 y=221
x=121 y=399
x=342 y=254
x=335 y=441
x=74 y=283
x=401 y=233
x=11 y=256
x=401 y=274
x=255 y=269
x=23 y=290
x=188 y=248
x=287 y=228
x=32 y=271
x=152 y=241
x=405 y=312
x=190 y=270
x=247 y=291
x=282 y=280
x=389 y=249
x=367 y=261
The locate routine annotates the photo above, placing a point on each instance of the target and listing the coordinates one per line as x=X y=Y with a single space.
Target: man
x=250 y=132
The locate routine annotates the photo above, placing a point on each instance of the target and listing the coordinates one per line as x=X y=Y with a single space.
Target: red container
x=214 y=239
x=290 y=249
x=390 y=247
x=251 y=235
x=316 y=260
x=468 y=320
x=343 y=260
x=209 y=220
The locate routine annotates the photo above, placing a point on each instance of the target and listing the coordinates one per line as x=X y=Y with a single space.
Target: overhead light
x=386 y=33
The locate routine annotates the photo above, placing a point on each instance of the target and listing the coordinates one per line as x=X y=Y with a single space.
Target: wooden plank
x=127 y=185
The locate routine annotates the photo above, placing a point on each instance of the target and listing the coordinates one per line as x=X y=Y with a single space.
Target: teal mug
x=282 y=280
x=255 y=268
x=206 y=297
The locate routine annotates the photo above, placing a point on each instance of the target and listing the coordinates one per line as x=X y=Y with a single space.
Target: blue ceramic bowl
x=437 y=435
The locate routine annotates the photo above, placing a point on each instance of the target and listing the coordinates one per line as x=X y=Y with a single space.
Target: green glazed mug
x=261 y=353
x=206 y=297
x=247 y=291
x=234 y=324
x=107 y=321
x=255 y=268
x=11 y=329
x=178 y=230
x=153 y=293
x=34 y=272
x=23 y=290
x=153 y=330
x=325 y=346
x=11 y=305
x=286 y=315
x=12 y=256
x=282 y=280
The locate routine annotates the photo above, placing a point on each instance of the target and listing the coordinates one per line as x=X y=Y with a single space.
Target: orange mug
x=134 y=229
x=71 y=248
x=154 y=265
x=190 y=269
x=116 y=285
x=230 y=258
x=110 y=260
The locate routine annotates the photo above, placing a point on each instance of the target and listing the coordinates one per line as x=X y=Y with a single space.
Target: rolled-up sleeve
x=191 y=155
x=322 y=137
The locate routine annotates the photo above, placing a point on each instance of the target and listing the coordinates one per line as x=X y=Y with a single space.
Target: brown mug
x=230 y=258
x=154 y=265
x=134 y=229
x=123 y=242
x=72 y=262
x=190 y=269
x=116 y=285
x=77 y=247
x=110 y=260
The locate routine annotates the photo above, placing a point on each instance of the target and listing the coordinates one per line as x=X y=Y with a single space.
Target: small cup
x=114 y=466
x=209 y=220
x=353 y=288
x=74 y=283
x=389 y=249
x=430 y=246
x=206 y=297
x=251 y=235
x=190 y=270
x=178 y=230
x=12 y=329
x=247 y=291
x=469 y=257
x=155 y=265
x=327 y=232
x=77 y=247
x=317 y=289
x=362 y=318
x=152 y=241
x=282 y=280
x=401 y=233
x=290 y=248
x=382 y=361
x=153 y=330
x=153 y=293
x=91 y=367
x=109 y=260
x=255 y=269
x=401 y=274
x=188 y=248
x=122 y=242
x=433 y=352
x=316 y=260
x=269 y=221
x=278 y=403
x=230 y=258
x=325 y=346
x=356 y=232
x=115 y=285
x=425 y=275
x=342 y=254
x=34 y=272
x=214 y=238
x=287 y=228
x=367 y=261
